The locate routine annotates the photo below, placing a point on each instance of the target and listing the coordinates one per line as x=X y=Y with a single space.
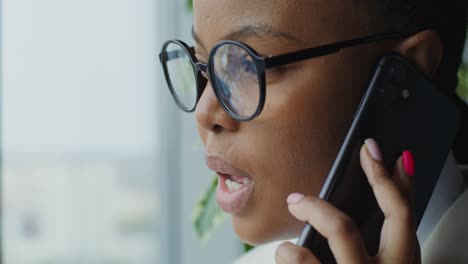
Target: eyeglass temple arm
x=275 y=61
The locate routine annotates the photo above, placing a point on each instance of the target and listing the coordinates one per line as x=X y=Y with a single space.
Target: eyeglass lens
x=234 y=76
x=236 y=79
x=181 y=76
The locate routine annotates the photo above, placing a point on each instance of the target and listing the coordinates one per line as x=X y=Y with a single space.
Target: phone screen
x=401 y=110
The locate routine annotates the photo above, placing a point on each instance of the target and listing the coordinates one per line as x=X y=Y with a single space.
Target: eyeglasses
x=236 y=72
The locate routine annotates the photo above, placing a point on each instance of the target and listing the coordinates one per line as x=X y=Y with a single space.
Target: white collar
x=450 y=185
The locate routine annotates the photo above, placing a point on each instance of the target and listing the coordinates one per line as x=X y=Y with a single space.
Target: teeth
x=233 y=186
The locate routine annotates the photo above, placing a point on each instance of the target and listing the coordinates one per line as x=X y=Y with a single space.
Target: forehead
x=305 y=20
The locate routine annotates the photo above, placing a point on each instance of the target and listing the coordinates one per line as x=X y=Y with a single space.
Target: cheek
x=202 y=133
x=292 y=153
x=293 y=143
x=305 y=120
x=296 y=150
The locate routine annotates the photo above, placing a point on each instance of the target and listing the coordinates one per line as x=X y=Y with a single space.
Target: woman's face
x=309 y=105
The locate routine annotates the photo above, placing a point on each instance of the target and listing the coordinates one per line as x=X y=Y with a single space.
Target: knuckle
x=300 y=256
x=405 y=214
x=281 y=248
x=309 y=200
x=378 y=175
x=342 y=226
x=282 y=253
x=279 y=253
x=402 y=213
x=287 y=253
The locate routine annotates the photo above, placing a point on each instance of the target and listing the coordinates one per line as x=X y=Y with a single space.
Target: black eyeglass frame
x=261 y=64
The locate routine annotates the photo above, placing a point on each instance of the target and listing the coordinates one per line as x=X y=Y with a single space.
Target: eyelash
x=272 y=74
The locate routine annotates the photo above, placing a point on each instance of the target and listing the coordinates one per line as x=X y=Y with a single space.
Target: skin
x=394 y=194
x=290 y=147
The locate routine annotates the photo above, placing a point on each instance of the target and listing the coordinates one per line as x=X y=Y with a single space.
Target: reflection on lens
x=182 y=76
x=236 y=79
x=223 y=88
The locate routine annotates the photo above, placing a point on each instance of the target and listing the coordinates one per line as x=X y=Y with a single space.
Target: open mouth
x=234 y=183
x=233 y=192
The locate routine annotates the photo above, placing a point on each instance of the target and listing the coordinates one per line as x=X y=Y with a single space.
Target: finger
x=342 y=234
x=397 y=238
x=288 y=252
x=403 y=175
x=403 y=180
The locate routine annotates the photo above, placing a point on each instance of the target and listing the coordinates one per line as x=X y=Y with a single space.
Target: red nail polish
x=408 y=163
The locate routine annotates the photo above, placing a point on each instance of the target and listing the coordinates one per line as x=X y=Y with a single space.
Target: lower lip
x=232 y=202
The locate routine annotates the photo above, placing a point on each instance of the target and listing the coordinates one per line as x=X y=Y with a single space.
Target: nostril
x=217 y=128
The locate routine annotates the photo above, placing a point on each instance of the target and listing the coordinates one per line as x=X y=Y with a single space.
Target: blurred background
x=98 y=164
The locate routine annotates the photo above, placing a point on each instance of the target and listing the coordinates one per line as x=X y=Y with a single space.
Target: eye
x=275 y=70
x=275 y=74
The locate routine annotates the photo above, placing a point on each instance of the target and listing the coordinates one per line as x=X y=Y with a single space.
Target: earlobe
x=424 y=49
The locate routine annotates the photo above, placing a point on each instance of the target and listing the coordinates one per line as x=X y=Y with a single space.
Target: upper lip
x=219 y=165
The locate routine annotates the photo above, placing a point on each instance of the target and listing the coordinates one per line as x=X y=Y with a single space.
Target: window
x=79 y=182
x=98 y=165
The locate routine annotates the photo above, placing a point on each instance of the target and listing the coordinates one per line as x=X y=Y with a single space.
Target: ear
x=424 y=49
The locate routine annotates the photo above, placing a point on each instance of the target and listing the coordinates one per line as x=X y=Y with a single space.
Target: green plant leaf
x=462 y=89
x=207 y=215
x=189 y=5
x=248 y=247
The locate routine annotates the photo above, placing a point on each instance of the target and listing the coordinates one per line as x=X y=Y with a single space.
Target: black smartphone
x=402 y=110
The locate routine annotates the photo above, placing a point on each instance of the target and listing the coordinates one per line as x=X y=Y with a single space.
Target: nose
x=211 y=116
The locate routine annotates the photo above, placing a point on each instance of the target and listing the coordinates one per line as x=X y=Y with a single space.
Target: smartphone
x=402 y=110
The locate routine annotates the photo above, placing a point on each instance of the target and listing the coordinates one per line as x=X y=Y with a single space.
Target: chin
x=261 y=232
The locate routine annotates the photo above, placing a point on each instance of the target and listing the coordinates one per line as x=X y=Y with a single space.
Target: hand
x=398 y=241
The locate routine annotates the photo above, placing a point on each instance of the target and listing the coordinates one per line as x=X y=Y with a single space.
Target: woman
x=272 y=156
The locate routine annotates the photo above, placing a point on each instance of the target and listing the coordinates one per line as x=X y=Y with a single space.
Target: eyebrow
x=258 y=31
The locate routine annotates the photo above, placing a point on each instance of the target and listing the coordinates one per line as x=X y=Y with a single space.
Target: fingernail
x=294 y=198
x=373 y=148
x=408 y=162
